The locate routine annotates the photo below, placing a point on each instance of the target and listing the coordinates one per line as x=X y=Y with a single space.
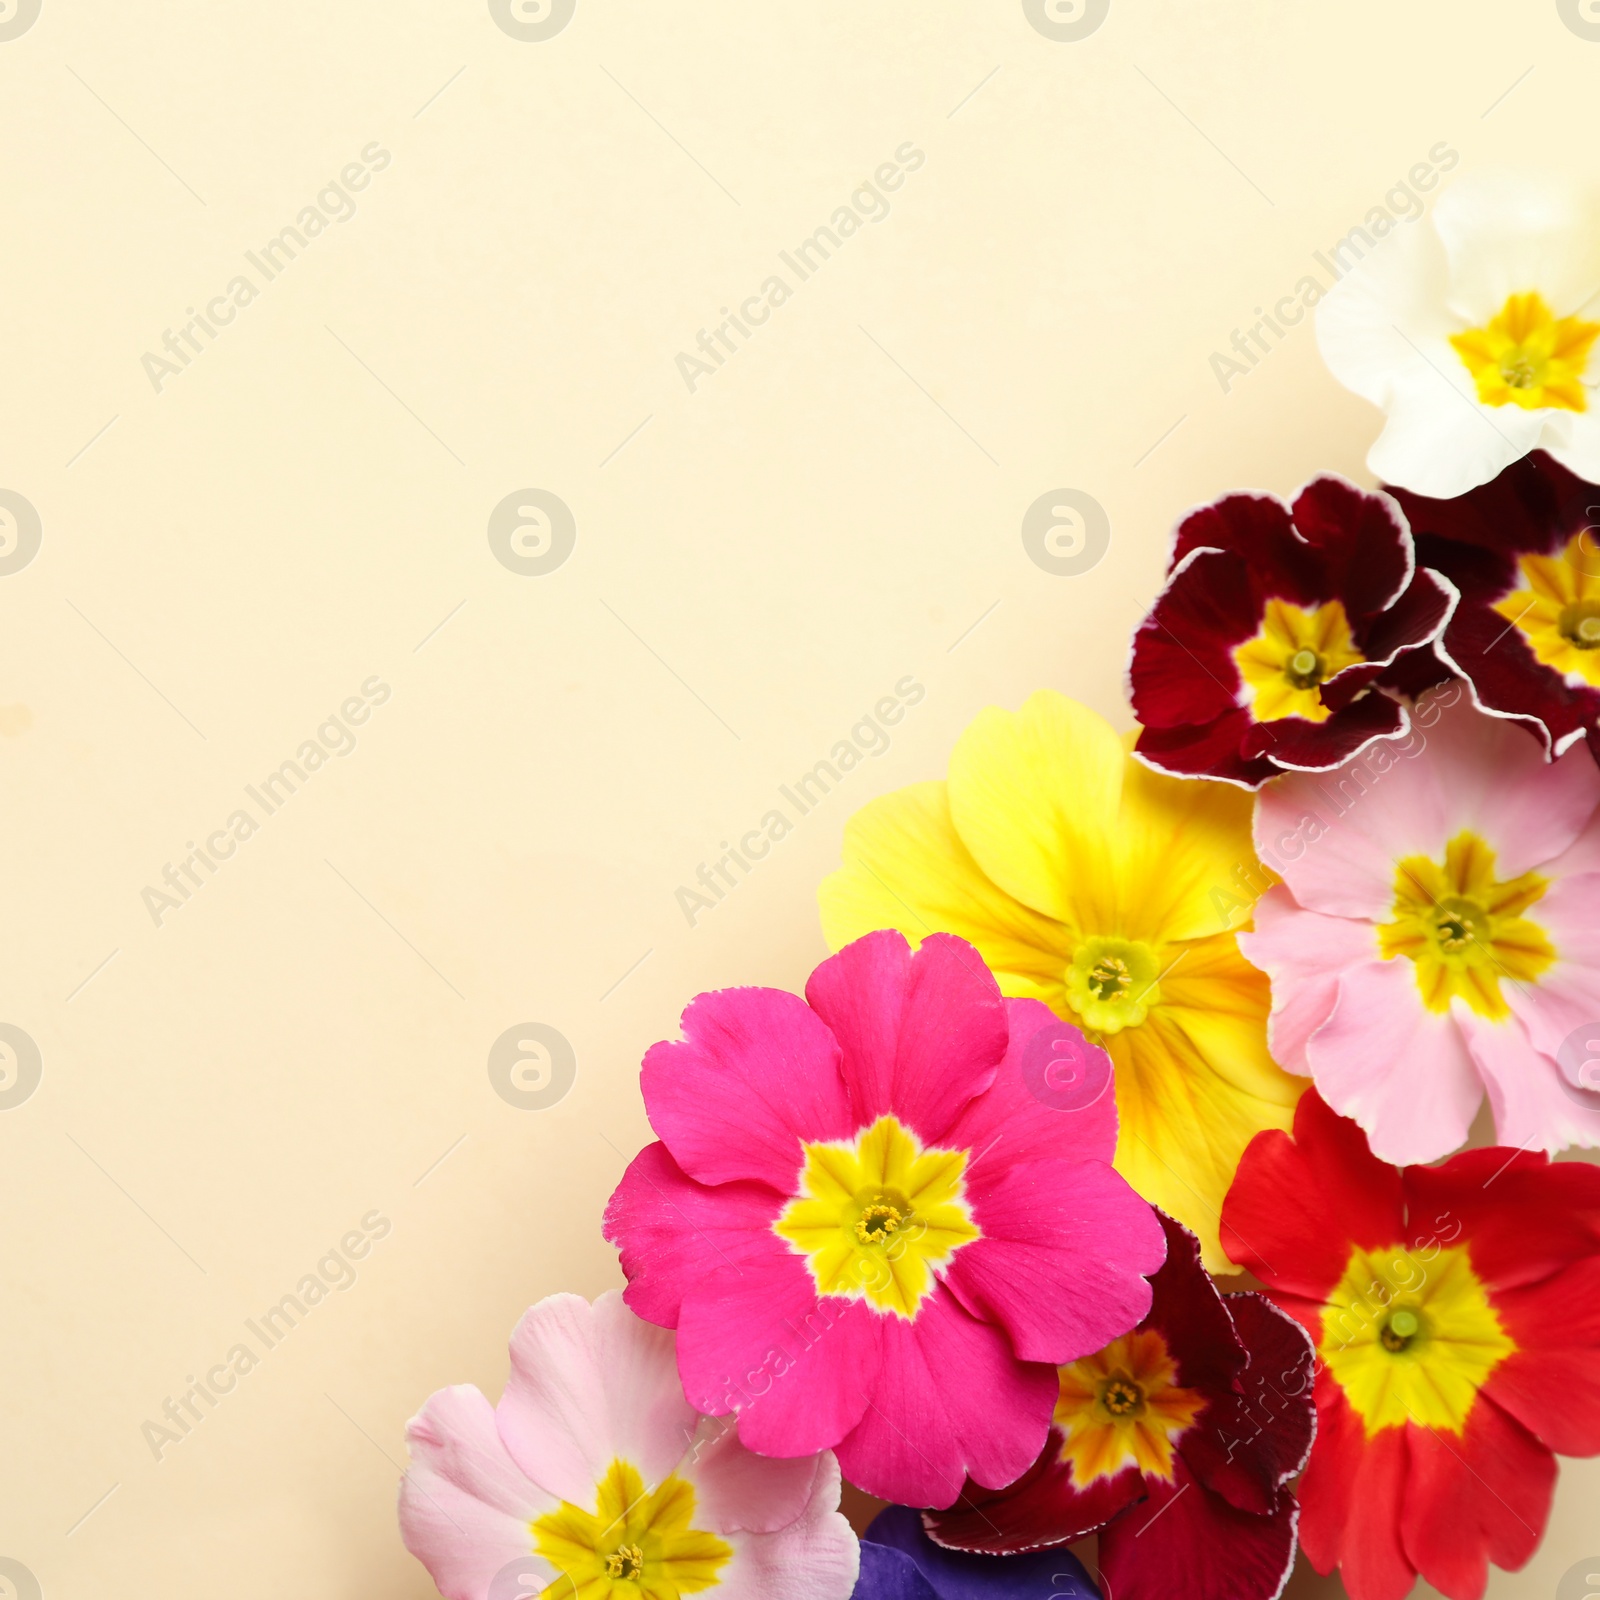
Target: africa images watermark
x=1401 y=204
x=335 y=1271
x=334 y=737
x=333 y=203
x=867 y=738
x=868 y=203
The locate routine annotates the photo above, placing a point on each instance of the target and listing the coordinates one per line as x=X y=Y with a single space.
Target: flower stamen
x=1122 y=1397
x=626 y=1562
x=878 y=1222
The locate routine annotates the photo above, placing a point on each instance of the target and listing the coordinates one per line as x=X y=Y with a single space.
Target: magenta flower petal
x=676 y=1231
x=756 y=1339
x=1042 y=1224
x=755 y=1071
x=1035 y=1120
x=948 y=1376
x=921 y=1035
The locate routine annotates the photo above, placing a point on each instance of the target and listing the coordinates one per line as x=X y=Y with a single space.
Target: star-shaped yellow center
x=1464 y=928
x=634 y=1545
x=1525 y=356
x=1292 y=655
x=1123 y=1407
x=876 y=1214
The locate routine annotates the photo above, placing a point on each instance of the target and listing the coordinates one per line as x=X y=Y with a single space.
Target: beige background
x=305 y=506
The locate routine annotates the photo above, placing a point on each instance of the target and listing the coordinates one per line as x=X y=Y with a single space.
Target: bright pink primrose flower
x=1435 y=935
x=868 y=1231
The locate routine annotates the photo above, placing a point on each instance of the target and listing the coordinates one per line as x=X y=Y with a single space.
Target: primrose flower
x=1175 y=1441
x=1456 y=1314
x=1524 y=553
x=1277 y=623
x=1475 y=333
x=1110 y=892
x=867 y=1230
x=900 y=1562
x=595 y=1478
x=1435 y=935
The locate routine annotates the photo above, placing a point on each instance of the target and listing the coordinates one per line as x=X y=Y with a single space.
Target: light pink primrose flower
x=595 y=1476
x=868 y=1231
x=1437 y=935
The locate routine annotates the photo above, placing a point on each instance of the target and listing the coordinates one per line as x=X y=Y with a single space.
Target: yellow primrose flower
x=1112 y=893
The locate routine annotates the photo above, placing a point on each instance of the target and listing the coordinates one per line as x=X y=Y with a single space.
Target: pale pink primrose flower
x=594 y=1476
x=1437 y=935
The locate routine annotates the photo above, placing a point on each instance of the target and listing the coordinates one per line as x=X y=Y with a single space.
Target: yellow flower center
x=633 y=1544
x=1112 y=983
x=1412 y=1341
x=877 y=1214
x=1524 y=356
x=1464 y=929
x=1557 y=608
x=1292 y=655
x=628 y=1562
x=1123 y=1407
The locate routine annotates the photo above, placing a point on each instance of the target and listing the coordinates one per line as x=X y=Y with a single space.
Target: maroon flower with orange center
x=1175 y=1441
x=1278 y=629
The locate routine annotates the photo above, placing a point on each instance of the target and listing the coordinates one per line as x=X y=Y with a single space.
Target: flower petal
x=950 y=1400
x=1474 y=1499
x=813 y=1557
x=1183 y=851
x=1303 y=952
x=465 y=1505
x=1338 y=837
x=906 y=868
x=1185 y=1540
x=799 y=1370
x=1400 y=1070
x=1251 y=1442
x=1550 y=1383
x=672 y=1231
x=1208 y=750
x=589 y=1384
x=737 y=1490
x=1080 y=1125
x=1299 y=1205
x=888 y=1574
x=921 y=1034
x=1059 y=1263
x=1534 y=1107
x=1526 y=1216
x=1033 y=794
x=1195 y=1085
x=954 y=1575
x=1041 y=1509
x=755 y=1074
x=1507 y=232
x=1183 y=670
x=1350 y=1500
